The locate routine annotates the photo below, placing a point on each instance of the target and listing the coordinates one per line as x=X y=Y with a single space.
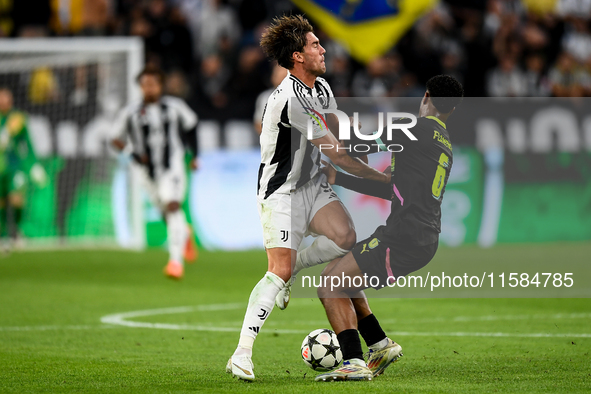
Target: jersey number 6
x=439 y=179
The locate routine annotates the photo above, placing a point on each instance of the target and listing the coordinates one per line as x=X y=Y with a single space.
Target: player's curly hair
x=285 y=35
x=445 y=91
x=154 y=71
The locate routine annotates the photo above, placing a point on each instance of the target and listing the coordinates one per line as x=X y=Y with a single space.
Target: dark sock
x=350 y=344
x=18 y=214
x=3 y=222
x=370 y=330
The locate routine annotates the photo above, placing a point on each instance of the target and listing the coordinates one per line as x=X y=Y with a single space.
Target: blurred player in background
x=293 y=196
x=18 y=164
x=160 y=129
x=405 y=244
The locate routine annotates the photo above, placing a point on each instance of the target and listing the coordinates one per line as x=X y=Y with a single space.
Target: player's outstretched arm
x=331 y=147
x=359 y=185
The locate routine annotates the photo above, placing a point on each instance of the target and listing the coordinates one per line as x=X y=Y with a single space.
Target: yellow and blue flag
x=367 y=28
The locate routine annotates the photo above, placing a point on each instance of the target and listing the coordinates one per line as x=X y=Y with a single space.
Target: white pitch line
x=49 y=328
x=121 y=320
x=470 y=318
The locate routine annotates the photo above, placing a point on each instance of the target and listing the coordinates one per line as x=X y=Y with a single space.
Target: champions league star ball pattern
x=321 y=350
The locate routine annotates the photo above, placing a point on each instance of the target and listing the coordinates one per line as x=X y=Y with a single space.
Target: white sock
x=260 y=305
x=176 y=228
x=379 y=345
x=321 y=251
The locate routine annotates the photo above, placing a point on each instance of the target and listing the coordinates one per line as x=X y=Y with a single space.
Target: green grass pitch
x=52 y=338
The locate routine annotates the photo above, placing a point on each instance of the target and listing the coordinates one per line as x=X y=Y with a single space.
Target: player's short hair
x=445 y=91
x=153 y=71
x=285 y=35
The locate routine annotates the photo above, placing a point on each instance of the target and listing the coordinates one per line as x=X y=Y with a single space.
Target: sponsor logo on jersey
x=364 y=249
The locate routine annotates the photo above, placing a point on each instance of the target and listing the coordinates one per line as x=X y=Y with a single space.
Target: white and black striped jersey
x=288 y=159
x=160 y=132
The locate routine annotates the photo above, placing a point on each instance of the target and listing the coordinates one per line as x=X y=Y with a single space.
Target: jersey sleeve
x=188 y=125
x=187 y=116
x=259 y=107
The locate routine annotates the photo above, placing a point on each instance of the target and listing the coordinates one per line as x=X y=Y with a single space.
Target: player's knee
x=280 y=265
x=282 y=271
x=173 y=206
x=346 y=238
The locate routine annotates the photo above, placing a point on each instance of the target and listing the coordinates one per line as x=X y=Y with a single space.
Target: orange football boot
x=174 y=270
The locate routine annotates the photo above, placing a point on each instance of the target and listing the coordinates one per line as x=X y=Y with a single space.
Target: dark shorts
x=387 y=259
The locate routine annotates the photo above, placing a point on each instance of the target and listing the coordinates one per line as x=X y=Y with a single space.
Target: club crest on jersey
x=373 y=243
x=284 y=235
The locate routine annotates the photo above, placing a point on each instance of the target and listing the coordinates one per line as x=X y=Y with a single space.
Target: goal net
x=70 y=90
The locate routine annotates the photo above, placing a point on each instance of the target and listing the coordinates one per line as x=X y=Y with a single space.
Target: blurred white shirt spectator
x=507 y=79
x=581 y=8
x=212 y=24
x=577 y=42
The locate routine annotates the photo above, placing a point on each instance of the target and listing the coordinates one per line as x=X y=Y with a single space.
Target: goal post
x=71 y=90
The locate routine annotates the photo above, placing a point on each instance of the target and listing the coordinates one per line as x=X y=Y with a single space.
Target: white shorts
x=286 y=217
x=167 y=187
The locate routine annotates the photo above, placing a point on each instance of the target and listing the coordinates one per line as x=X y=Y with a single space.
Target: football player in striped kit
x=159 y=129
x=294 y=198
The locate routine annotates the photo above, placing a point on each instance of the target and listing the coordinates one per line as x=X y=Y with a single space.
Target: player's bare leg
x=347 y=310
x=336 y=237
x=260 y=305
x=176 y=229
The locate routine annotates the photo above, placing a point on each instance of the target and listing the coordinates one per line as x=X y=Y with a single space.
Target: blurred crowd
x=209 y=48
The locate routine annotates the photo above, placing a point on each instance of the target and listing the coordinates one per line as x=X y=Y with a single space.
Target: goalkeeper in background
x=18 y=164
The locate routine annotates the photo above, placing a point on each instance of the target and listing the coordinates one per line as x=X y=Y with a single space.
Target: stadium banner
x=520 y=173
x=367 y=29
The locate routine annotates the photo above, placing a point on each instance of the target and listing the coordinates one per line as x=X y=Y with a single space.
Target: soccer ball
x=321 y=350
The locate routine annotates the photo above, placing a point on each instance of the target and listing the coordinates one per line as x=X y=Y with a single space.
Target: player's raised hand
x=38 y=175
x=352 y=122
x=194 y=164
x=118 y=144
x=329 y=171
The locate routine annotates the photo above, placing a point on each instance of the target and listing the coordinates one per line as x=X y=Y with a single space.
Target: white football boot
x=379 y=360
x=282 y=298
x=241 y=367
x=350 y=370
